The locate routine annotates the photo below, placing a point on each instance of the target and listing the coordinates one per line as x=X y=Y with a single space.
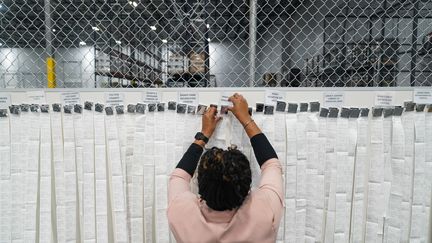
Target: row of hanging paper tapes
x=99 y=174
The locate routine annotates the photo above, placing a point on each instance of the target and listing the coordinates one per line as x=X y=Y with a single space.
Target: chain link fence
x=215 y=43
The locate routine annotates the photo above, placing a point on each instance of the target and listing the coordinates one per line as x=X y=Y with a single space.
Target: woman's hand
x=240 y=108
x=209 y=121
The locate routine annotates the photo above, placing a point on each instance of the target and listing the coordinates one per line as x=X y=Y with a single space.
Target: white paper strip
x=428 y=176
x=312 y=161
x=32 y=176
x=405 y=213
x=150 y=216
x=89 y=214
x=115 y=178
x=45 y=230
x=360 y=181
x=57 y=153
x=127 y=160
x=71 y=222
x=100 y=178
x=418 y=213
x=375 y=204
x=18 y=142
x=5 y=180
x=136 y=182
x=79 y=143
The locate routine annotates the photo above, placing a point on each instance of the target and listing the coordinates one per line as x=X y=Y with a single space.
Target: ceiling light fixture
x=164 y=41
x=54 y=30
x=95 y=28
x=1 y=44
x=118 y=42
x=82 y=43
x=152 y=27
x=208 y=26
x=208 y=39
x=133 y=3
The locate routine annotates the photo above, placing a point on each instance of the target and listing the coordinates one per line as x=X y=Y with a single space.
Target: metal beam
x=252 y=40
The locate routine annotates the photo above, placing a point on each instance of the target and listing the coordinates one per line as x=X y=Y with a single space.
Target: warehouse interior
x=200 y=43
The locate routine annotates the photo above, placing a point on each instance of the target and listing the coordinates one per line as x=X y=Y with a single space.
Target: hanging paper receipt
x=5 y=100
x=114 y=98
x=423 y=96
x=273 y=96
x=189 y=98
x=384 y=99
x=71 y=98
x=152 y=97
x=224 y=99
x=36 y=97
x=333 y=99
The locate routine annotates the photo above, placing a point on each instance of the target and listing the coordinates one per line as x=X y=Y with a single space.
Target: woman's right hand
x=240 y=108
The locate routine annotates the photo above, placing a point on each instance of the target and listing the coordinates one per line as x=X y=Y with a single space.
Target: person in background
x=226 y=210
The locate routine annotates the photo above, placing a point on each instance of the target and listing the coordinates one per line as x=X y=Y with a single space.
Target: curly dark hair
x=224 y=178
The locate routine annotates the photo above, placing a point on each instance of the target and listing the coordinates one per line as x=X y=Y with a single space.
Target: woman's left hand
x=209 y=121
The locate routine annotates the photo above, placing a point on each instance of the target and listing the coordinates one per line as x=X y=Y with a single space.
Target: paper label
x=5 y=100
x=333 y=99
x=152 y=97
x=36 y=97
x=71 y=98
x=114 y=98
x=224 y=99
x=272 y=96
x=384 y=99
x=423 y=96
x=189 y=98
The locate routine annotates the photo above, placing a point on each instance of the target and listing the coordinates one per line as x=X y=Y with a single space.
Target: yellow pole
x=51 y=76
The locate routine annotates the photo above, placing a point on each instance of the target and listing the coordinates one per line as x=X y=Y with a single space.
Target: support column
x=50 y=61
x=252 y=41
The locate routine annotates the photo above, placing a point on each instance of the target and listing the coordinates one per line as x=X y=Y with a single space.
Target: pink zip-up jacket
x=257 y=220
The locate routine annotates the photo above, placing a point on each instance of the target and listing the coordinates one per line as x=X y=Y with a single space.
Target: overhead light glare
x=82 y=43
x=54 y=30
x=1 y=44
x=133 y=3
x=208 y=39
x=95 y=28
x=118 y=42
x=208 y=26
x=164 y=41
x=152 y=27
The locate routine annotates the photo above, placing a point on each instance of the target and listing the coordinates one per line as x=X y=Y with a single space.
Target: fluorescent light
x=82 y=43
x=54 y=30
x=208 y=39
x=152 y=27
x=1 y=44
x=164 y=41
x=133 y=3
x=208 y=26
x=118 y=42
x=95 y=28
x=1 y=6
